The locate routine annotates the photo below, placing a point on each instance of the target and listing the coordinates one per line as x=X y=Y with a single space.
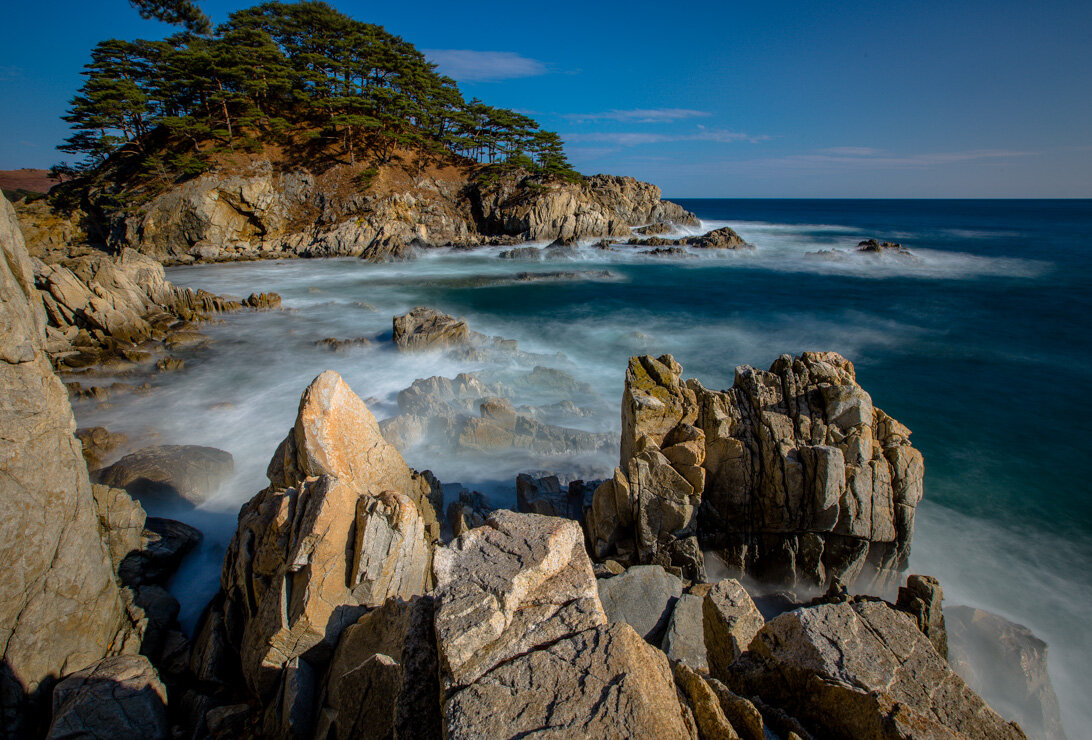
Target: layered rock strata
x=791 y=476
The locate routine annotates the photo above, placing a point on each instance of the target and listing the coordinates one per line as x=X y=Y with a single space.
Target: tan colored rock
x=426 y=328
x=711 y=720
x=519 y=582
x=602 y=682
x=865 y=670
x=121 y=521
x=382 y=680
x=60 y=607
x=731 y=620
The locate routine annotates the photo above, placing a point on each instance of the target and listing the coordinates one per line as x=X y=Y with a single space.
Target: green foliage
x=177 y=12
x=278 y=72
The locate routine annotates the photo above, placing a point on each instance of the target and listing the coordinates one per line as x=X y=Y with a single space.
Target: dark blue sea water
x=979 y=342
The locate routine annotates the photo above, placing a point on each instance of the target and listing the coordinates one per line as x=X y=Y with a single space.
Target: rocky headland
x=741 y=574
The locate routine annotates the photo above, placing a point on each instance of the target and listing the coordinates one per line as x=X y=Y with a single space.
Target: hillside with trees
x=299 y=77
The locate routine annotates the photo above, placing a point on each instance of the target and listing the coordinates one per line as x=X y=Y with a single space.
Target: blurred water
x=978 y=344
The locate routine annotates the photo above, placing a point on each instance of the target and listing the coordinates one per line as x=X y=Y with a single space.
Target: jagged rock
x=426 y=328
x=744 y=716
x=711 y=720
x=643 y=597
x=382 y=680
x=119 y=698
x=601 y=682
x=121 y=521
x=875 y=246
x=170 y=474
x=469 y=511
x=921 y=598
x=159 y=550
x=864 y=669
x=521 y=253
x=333 y=344
x=523 y=646
x=339 y=530
x=1007 y=665
x=723 y=238
x=98 y=443
x=684 y=640
x=503 y=589
x=60 y=607
x=791 y=475
x=731 y=620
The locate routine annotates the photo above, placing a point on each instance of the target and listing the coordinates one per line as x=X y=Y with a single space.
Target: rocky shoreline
x=702 y=591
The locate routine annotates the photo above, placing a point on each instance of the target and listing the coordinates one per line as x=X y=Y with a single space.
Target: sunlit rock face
x=790 y=476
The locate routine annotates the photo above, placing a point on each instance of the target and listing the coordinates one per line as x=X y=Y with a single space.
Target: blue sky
x=718 y=99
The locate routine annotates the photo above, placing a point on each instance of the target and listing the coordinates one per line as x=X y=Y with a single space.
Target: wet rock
x=1007 y=665
x=170 y=474
x=866 y=670
x=162 y=546
x=521 y=253
x=98 y=443
x=684 y=640
x=731 y=620
x=723 y=238
x=426 y=328
x=643 y=597
x=118 y=698
x=334 y=344
x=875 y=246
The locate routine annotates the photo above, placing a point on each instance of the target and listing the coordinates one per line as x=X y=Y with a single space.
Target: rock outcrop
x=60 y=606
x=523 y=645
x=722 y=238
x=118 y=698
x=1007 y=665
x=344 y=526
x=791 y=475
x=862 y=669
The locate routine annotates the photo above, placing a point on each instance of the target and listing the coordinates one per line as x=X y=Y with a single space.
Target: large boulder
x=864 y=670
x=119 y=698
x=684 y=640
x=170 y=475
x=383 y=678
x=730 y=622
x=791 y=476
x=1007 y=664
x=523 y=643
x=643 y=597
x=60 y=606
x=339 y=530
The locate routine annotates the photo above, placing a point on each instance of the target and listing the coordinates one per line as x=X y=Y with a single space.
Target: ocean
x=979 y=342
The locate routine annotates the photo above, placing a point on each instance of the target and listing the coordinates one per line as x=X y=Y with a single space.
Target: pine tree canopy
x=277 y=72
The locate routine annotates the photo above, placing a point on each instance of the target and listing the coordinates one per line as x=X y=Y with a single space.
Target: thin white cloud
x=639 y=115
x=875 y=159
x=852 y=151
x=631 y=138
x=466 y=65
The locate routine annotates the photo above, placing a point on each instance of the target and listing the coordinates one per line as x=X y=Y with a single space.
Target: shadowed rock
x=170 y=474
x=118 y=698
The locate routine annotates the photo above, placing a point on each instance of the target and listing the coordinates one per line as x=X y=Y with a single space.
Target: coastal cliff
x=265 y=209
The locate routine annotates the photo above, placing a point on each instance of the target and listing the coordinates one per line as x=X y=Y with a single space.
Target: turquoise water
x=979 y=343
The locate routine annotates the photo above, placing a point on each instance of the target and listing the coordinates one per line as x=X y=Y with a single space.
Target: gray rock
x=684 y=640
x=642 y=597
x=921 y=598
x=426 y=328
x=118 y=698
x=1007 y=665
x=865 y=670
x=730 y=621
x=170 y=475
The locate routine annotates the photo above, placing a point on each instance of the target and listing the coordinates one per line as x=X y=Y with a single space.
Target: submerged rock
x=1007 y=665
x=170 y=474
x=722 y=238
